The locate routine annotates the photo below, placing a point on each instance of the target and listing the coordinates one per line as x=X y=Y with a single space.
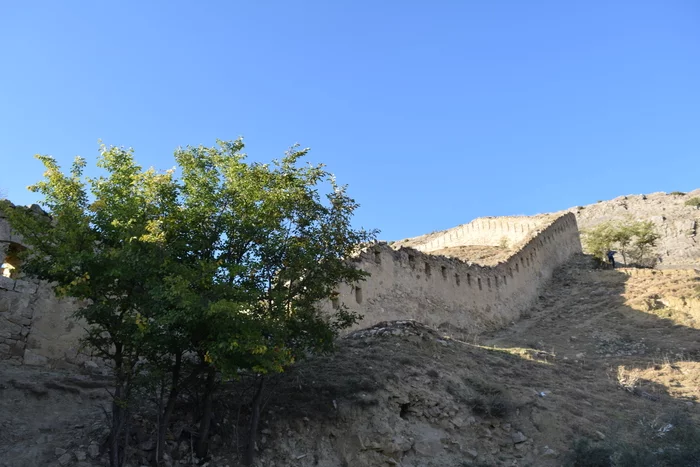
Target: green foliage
x=598 y=240
x=644 y=237
x=634 y=239
x=677 y=193
x=694 y=202
x=226 y=264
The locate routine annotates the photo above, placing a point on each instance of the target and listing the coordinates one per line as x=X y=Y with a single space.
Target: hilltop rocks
x=674 y=220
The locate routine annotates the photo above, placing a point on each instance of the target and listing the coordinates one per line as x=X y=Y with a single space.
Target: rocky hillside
x=603 y=356
x=676 y=222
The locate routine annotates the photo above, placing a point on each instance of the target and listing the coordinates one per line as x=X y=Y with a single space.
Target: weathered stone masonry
x=444 y=292
x=35 y=326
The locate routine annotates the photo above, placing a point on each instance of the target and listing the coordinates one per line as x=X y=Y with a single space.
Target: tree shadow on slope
x=632 y=366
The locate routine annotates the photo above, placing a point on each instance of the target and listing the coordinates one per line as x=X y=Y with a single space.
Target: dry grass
x=669 y=294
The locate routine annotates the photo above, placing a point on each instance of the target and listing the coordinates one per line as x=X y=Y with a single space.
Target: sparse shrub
x=503 y=243
x=485 y=398
x=679 y=446
x=588 y=454
x=677 y=193
x=591 y=454
x=494 y=405
x=407 y=361
x=682 y=442
x=694 y=202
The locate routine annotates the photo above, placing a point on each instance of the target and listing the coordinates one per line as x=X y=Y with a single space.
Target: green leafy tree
x=622 y=237
x=634 y=239
x=644 y=241
x=218 y=272
x=261 y=249
x=102 y=253
x=598 y=240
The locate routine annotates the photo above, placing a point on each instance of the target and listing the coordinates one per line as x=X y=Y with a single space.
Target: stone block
x=26 y=312
x=17 y=349
x=6 y=283
x=34 y=359
x=25 y=287
x=19 y=320
x=7 y=326
x=5 y=232
x=13 y=302
x=34 y=343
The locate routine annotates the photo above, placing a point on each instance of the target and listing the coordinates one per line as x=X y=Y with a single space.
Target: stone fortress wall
x=35 y=327
x=489 y=231
x=405 y=283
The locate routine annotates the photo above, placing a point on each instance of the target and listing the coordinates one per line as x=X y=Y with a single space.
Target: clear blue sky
x=434 y=112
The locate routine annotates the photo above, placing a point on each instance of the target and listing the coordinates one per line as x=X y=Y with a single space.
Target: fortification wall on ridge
x=490 y=231
x=36 y=327
x=443 y=292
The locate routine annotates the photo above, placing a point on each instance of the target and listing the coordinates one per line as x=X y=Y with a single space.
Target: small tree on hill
x=634 y=239
x=219 y=271
x=644 y=240
x=598 y=240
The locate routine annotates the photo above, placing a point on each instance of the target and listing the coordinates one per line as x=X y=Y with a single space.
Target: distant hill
x=676 y=222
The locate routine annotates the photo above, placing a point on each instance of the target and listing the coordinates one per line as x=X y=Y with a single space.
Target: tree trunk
x=254 y=421
x=169 y=408
x=115 y=457
x=204 y=424
x=126 y=429
x=116 y=428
